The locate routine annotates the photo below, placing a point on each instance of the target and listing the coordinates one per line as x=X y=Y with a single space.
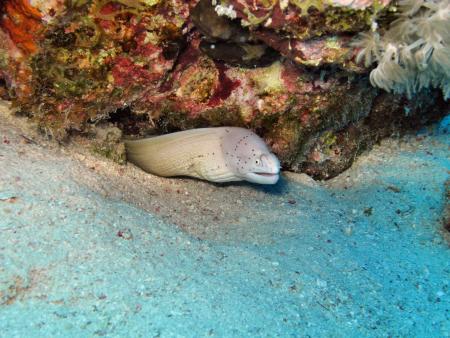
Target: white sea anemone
x=414 y=53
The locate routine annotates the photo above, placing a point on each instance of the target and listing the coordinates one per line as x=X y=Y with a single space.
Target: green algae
x=108 y=144
x=306 y=5
x=329 y=138
x=268 y=79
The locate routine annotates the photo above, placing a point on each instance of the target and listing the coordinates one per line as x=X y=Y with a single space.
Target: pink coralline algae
x=126 y=73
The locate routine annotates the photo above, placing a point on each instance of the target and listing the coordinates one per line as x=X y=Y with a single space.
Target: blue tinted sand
x=360 y=256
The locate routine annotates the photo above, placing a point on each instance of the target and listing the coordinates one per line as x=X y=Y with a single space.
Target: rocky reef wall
x=286 y=69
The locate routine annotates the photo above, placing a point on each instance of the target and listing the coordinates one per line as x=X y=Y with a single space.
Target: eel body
x=222 y=154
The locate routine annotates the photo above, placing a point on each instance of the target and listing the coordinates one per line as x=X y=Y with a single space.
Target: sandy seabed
x=92 y=248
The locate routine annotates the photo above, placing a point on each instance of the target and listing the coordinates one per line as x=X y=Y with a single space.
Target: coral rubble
x=286 y=69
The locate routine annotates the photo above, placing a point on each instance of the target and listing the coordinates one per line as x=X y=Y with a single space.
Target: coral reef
x=285 y=69
x=310 y=33
x=334 y=150
x=95 y=58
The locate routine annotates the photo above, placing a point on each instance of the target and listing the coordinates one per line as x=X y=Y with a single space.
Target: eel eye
x=257 y=162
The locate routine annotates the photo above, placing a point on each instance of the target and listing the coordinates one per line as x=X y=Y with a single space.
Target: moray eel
x=222 y=154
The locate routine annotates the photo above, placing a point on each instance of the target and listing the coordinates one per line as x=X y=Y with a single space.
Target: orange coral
x=23 y=24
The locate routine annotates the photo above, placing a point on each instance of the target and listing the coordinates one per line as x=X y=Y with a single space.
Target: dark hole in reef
x=124 y=17
x=172 y=49
x=89 y=31
x=129 y=45
x=225 y=39
x=240 y=55
x=3 y=90
x=128 y=121
x=312 y=10
x=215 y=27
x=59 y=38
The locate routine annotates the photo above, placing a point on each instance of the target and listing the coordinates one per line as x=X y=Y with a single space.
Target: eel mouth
x=262 y=177
x=266 y=174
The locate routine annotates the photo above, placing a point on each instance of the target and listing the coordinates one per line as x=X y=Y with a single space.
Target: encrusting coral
x=414 y=52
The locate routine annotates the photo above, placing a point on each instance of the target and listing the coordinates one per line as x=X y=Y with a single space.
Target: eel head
x=249 y=158
x=264 y=170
